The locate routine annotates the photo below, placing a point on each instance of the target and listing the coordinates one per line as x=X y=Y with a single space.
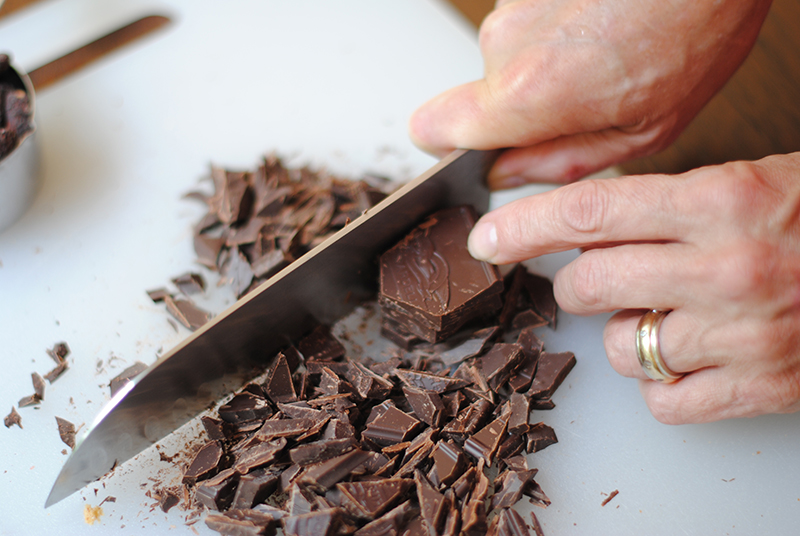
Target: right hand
x=574 y=86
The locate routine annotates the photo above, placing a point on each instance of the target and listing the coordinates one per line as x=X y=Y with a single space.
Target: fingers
x=588 y=213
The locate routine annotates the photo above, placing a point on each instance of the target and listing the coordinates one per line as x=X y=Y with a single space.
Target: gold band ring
x=648 y=350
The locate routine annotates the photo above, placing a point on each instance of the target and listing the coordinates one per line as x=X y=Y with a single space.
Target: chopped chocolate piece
x=38 y=385
x=30 y=400
x=237 y=271
x=379 y=410
x=325 y=475
x=537 y=496
x=430 y=278
x=12 y=418
x=216 y=493
x=512 y=485
x=484 y=444
x=258 y=455
x=168 y=499
x=542 y=404
x=66 y=430
x=300 y=501
x=512 y=445
x=186 y=312
x=231 y=524
x=320 y=345
x=427 y=405
x=431 y=504
x=289 y=475
x=528 y=319
x=204 y=463
x=430 y=382
x=520 y=414
x=301 y=410
x=517 y=463
x=531 y=344
x=245 y=407
x=282 y=428
x=536 y=526
x=214 y=428
x=513 y=283
x=56 y=372
x=319 y=523
x=399 y=334
x=394 y=426
x=472 y=347
x=338 y=429
x=511 y=524
x=452 y=403
x=391 y=523
x=550 y=372
x=127 y=375
x=463 y=485
x=540 y=292
x=319 y=451
x=369 y=499
x=254 y=487
x=610 y=497
x=367 y=383
x=279 y=386
x=449 y=462
x=523 y=375
x=331 y=384
x=452 y=523
x=499 y=363
x=189 y=283
x=416 y=527
x=540 y=436
x=59 y=352
x=207 y=249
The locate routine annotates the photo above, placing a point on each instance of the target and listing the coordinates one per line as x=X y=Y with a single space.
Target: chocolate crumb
x=12 y=418
x=610 y=497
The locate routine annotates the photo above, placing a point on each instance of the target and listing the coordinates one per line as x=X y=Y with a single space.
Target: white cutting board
x=330 y=83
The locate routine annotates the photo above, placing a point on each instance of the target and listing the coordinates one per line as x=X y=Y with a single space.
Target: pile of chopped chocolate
x=431 y=441
x=15 y=109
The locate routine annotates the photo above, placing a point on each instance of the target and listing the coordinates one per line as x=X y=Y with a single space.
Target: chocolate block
x=550 y=372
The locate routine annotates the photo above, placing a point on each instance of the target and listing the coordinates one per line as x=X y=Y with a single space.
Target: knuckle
x=743 y=270
x=618 y=351
x=729 y=191
x=583 y=207
x=588 y=279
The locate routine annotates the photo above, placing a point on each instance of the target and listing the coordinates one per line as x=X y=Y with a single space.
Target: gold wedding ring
x=648 y=350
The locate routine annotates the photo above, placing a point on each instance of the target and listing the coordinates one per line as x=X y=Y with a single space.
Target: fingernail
x=505 y=183
x=482 y=242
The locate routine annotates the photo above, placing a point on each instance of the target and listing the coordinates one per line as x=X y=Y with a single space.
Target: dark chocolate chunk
x=550 y=372
x=245 y=407
x=528 y=319
x=319 y=451
x=399 y=334
x=394 y=426
x=189 y=283
x=12 y=418
x=536 y=526
x=391 y=523
x=429 y=382
x=449 y=462
x=540 y=293
x=472 y=347
x=499 y=363
x=158 y=294
x=279 y=386
x=59 y=352
x=511 y=524
x=537 y=496
x=167 y=499
x=427 y=405
x=511 y=446
x=484 y=444
x=226 y=523
x=56 y=372
x=540 y=436
x=520 y=413
x=254 y=487
x=217 y=492
x=30 y=400
x=324 y=475
x=258 y=455
x=512 y=485
x=204 y=463
x=320 y=345
x=283 y=428
x=214 y=428
x=431 y=504
x=127 y=375
x=371 y=498
x=186 y=312
x=66 y=430
x=207 y=249
x=542 y=404
x=319 y=523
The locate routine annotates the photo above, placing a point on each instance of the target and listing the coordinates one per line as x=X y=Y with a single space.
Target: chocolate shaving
x=66 y=430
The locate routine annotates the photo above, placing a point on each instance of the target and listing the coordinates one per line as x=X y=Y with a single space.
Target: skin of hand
x=718 y=246
x=574 y=86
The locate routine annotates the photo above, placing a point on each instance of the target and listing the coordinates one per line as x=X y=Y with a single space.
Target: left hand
x=719 y=246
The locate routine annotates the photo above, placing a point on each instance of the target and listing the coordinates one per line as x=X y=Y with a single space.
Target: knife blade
x=320 y=287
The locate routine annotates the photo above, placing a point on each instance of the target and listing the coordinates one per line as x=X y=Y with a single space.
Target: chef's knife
x=320 y=287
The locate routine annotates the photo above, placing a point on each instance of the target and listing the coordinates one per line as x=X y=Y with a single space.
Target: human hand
x=719 y=246
x=574 y=86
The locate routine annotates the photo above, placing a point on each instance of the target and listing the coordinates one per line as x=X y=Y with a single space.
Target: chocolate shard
x=279 y=386
x=30 y=400
x=300 y=501
x=512 y=296
x=540 y=294
x=512 y=486
x=320 y=345
x=189 y=283
x=319 y=523
x=542 y=404
x=391 y=523
x=532 y=347
x=431 y=504
x=474 y=346
x=367 y=383
x=254 y=487
x=66 y=430
x=449 y=462
x=242 y=522
x=511 y=524
x=540 y=436
x=127 y=375
x=275 y=428
x=430 y=278
x=484 y=444
x=427 y=405
x=550 y=372
x=319 y=451
x=167 y=499
x=324 y=475
x=463 y=485
x=528 y=319
x=429 y=382
x=332 y=384
x=520 y=414
x=499 y=363
x=207 y=248
x=258 y=455
x=214 y=428
x=38 y=385
x=217 y=492
x=204 y=463
x=12 y=418
x=56 y=372
x=536 y=526
x=511 y=446
x=394 y=426
x=245 y=407
x=59 y=352
x=537 y=495
x=186 y=312
x=369 y=499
